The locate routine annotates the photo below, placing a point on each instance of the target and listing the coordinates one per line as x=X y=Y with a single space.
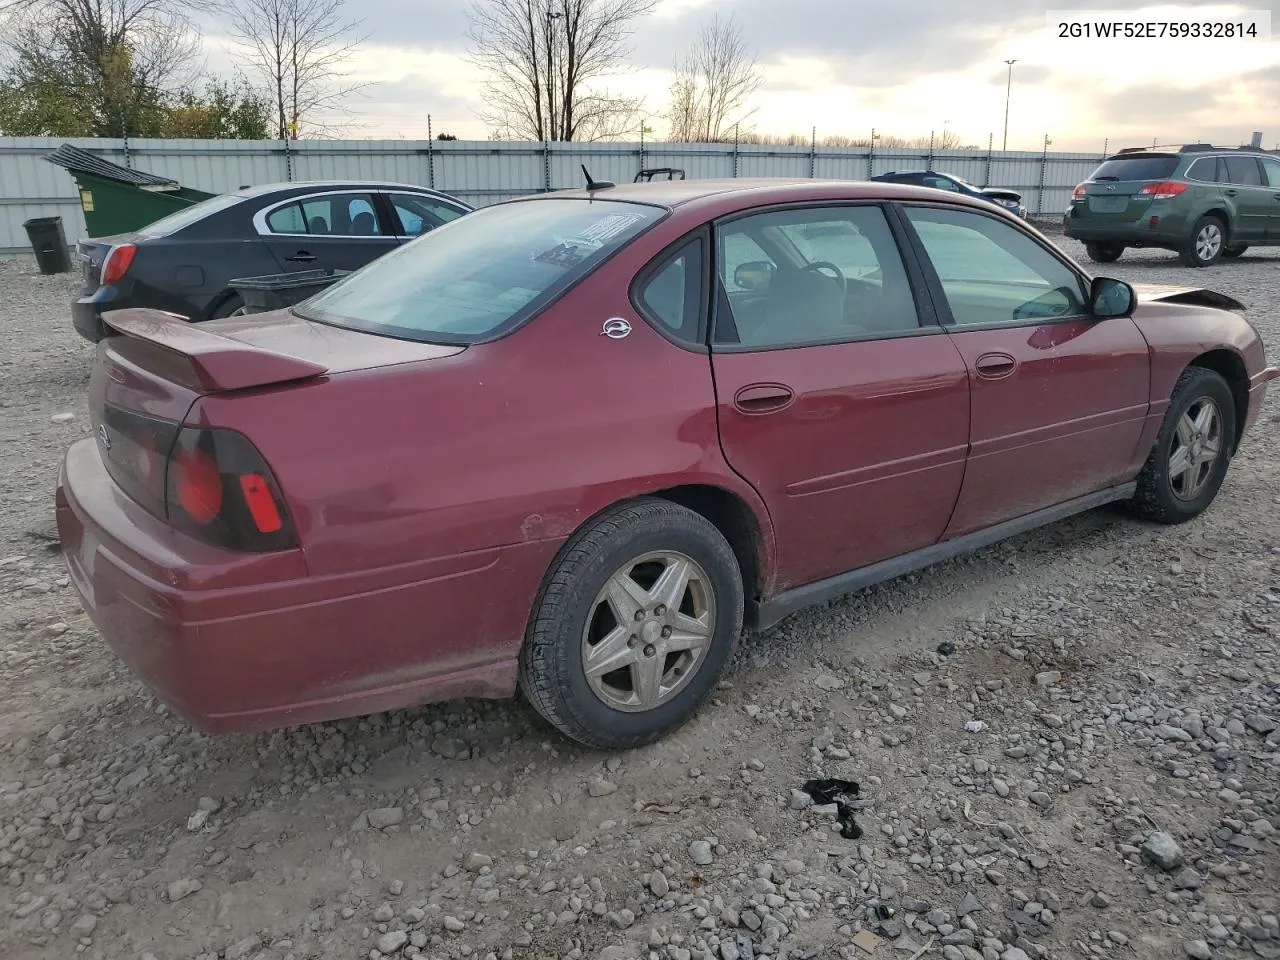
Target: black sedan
x=184 y=263
x=1009 y=199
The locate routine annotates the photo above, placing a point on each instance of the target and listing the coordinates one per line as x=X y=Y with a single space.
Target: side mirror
x=754 y=275
x=1111 y=298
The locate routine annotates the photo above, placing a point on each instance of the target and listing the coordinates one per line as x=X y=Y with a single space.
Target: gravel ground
x=1121 y=798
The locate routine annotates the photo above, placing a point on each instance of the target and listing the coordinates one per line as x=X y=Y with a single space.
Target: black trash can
x=280 y=290
x=49 y=244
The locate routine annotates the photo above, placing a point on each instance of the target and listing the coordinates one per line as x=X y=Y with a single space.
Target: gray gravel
x=1125 y=675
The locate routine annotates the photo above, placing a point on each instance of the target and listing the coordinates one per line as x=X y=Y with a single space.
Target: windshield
x=464 y=281
x=1137 y=168
x=167 y=226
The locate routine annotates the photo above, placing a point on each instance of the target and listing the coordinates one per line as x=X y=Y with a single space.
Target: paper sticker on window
x=561 y=255
x=606 y=228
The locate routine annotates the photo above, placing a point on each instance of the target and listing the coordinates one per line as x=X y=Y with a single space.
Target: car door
x=414 y=214
x=840 y=399
x=1271 y=178
x=334 y=230
x=1252 y=200
x=1058 y=397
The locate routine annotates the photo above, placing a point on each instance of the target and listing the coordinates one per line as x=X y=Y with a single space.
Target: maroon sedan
x=572 y=444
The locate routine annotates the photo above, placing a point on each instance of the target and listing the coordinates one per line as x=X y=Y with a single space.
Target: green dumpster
x=117 y=199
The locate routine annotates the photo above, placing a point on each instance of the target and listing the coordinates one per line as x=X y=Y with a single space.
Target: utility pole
x=1008 y=89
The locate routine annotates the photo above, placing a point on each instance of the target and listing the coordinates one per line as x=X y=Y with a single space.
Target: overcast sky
x=846 y=66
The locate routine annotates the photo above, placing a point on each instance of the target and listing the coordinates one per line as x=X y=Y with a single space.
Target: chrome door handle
x=763 y=397
x=995 y=366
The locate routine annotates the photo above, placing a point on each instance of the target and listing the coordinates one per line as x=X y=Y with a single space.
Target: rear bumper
x=86 y=312
x=1171 y=230
x=236 y=642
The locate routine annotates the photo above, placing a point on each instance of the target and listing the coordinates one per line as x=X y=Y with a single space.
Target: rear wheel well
x=220 y=302
x=734 y=519
x=1231 y=368
x=1222 y=215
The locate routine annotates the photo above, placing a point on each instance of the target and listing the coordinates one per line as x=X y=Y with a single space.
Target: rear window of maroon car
x=484 y=273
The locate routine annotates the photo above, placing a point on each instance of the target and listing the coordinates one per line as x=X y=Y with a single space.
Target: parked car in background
x=777 y=392
x=1009 y=199
x=183 y=263
x=1200 y=201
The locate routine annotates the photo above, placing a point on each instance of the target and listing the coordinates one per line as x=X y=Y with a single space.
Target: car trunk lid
x=153 y=366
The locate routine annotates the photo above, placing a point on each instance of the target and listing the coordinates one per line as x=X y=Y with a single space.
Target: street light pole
x=552 y=17
x=1008 y=89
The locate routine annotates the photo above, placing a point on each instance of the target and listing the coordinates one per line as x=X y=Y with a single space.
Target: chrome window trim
x=260 y=218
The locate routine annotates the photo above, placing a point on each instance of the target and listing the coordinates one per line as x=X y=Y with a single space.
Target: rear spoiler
x=213 y=363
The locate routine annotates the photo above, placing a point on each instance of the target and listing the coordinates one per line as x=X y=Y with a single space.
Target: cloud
x=846 y=66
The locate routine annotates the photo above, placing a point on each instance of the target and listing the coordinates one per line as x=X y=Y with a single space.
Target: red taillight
x=261 y=504
x=1078 y=192
x=197 y=484
x=220 y=490
x=1163 y=190
x=118 y=260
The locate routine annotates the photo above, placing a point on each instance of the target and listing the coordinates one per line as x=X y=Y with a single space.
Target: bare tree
x=713 y=82
x=300 y=49
x=545 y=60
x=114 y=61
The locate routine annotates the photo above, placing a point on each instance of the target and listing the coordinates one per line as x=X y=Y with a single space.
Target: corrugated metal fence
x=482 y=172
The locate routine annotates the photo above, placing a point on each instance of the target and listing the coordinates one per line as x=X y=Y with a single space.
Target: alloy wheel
x=1208 y=241
x=648 y=631
x=1197 y=444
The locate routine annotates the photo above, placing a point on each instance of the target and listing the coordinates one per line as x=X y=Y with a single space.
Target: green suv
x=1203 y=202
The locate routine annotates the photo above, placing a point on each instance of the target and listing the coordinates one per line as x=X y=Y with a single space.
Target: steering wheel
x=828 y=265
x=1046 y=306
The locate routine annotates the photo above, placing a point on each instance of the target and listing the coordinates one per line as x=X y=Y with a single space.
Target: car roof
x=304 y=185
x=756 y=191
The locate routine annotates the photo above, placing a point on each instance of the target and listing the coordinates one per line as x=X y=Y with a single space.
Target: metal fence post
x=813 y=152
x=546 y=167
x=1044 y=162
x=641 y=146
x=431 y=156
x=128 y=159
x=735 y=149
x=929 y=164
x=991 y=140
x=288 y=161
x=871 y=155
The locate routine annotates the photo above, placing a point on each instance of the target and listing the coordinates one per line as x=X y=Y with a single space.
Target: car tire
x=1206 y=243
x=608 y=576
x=1235 y=251
x=1171 y=489
x=1104 y=252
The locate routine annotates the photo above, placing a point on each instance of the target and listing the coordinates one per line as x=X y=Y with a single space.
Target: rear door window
x=1271 y=170
x=341 y=214
x=1244 y=171
x=1150 y=167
